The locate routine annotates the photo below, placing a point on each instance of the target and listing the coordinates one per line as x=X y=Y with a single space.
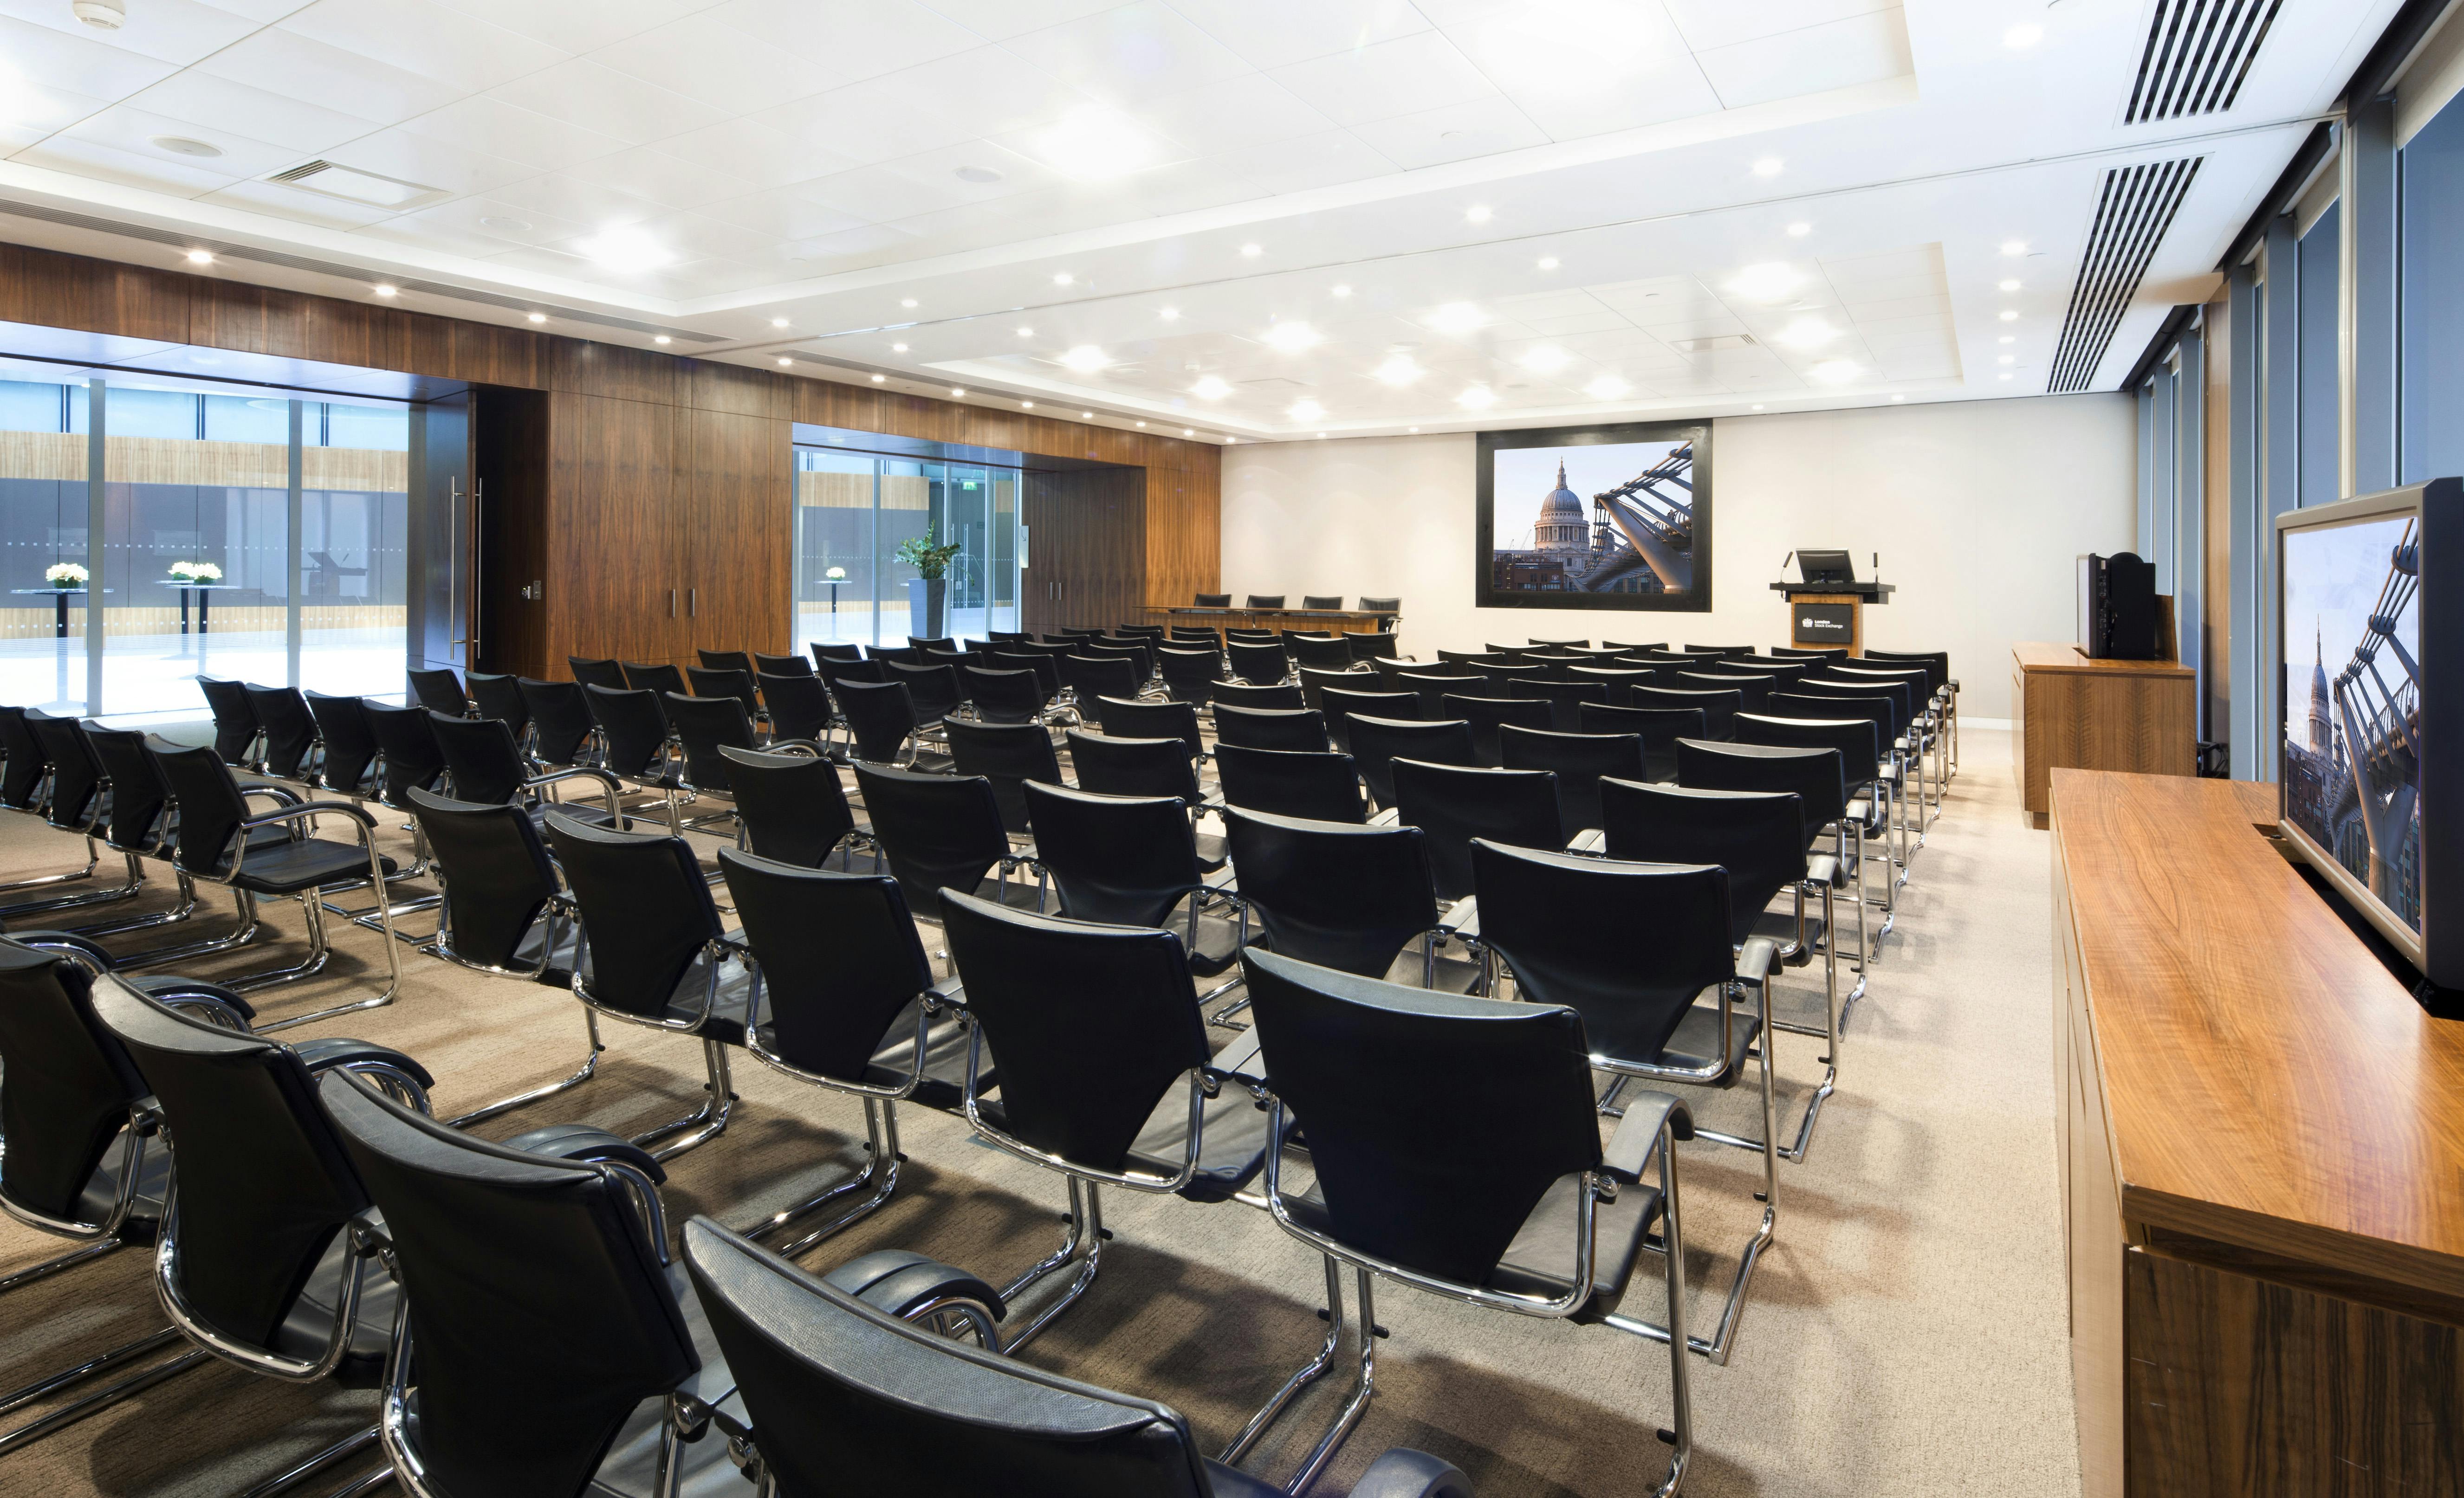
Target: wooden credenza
x=2261 y=1144
x=2080 y=713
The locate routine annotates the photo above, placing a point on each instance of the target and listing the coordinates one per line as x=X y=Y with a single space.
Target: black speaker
x=2117 y=607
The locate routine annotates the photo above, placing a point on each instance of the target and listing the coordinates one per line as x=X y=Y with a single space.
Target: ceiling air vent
x=352 y=185
x=2197 y=54
x=2137 y=208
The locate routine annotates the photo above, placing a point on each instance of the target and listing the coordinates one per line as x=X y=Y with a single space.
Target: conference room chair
x=592 y=672
x=1694 y=649
x=653 y=676
x=703 y=726
x=1797 y=653
x=1565 y=698
x=1325 y=655
x=1376 y=605
x=1372 y=645
x=727 y=681
x=798 y=704
x=1127 y=859
x=932 y=690
x=1266 y=636
x=1760 y=839
x=1752 y=688
x=439 y=689
x=1618 y=678
x=236 y=724
x=781 y=666
x=1109 y=765
x=880 y=720
x=829 y=651
x=1133 y=718
x=1555 y=665
x=1629 y=648
x=1430 y=687
x=572 y=1375
x=1538 y=643
x=899 y=655
x=1265 y=600
x=80 y=791
x=1097 y=1029
x=484 y=766
x=413 y=760
x=638 y=743
x=1870 y=781
x=1191 y=675
x=1319 y=786
x=1320 y=600
x=1374 y=741
x=287 y=747
x=791 y=808
x=263 y=1262
x=1313 y=681
x=1819 y=779
x=1298 y=729
x=1454 y=804
x=851 y=1007
x=137 y=825
x=1486 y=714
x=1719 y=706
x=499 y=696
x=931 y=642
x=1578 y=760
x=1002 y=696
x=1920 y=730
x=1945 y=688
x=1905 y=767
x=1505 y=1198
x=1562 y=927
x=1336 y=894
x=214 y=846
x=1387 y=667
x=1471 y=658
x=1496 y=679
x=1258 y=663
x=1008 y=756
x=1242 y=694
x=1089 y=677
x=1138 y=653
x=1046 y=669
x=937 y=832
x=1212 y=600
x=1925 y=710
x=1341 y=707
x=1657 y=728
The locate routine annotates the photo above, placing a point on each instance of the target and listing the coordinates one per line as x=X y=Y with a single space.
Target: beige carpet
x=1906 y=1334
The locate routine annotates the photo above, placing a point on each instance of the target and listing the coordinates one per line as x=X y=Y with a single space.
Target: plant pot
x=927 y=600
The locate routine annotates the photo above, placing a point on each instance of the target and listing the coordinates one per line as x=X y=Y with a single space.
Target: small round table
x=204 y=592
x=59 y=598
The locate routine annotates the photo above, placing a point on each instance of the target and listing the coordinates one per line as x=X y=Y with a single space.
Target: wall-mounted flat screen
x=1595 y=517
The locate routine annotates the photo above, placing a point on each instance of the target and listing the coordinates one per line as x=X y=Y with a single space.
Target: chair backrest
x=1752 y=688
x=1258 y=663
x=1856 y=738
x=725 y=660
x=1906 y=687
x=1139 y=652
x=234 y=718
x=1325 y=655
x=1265 y=601
x=1455 y=804
x=1659 y=728
x=290 y=731
x=1469 y=657
x=596 y=673
x=210 y=806
x=76 y=772
x=1880 y=712
x=1212 y=600
x=1110 y=766
x=1093 y=676
x=799 y=707
x=1242 y=694
x=562 y=716
x=1719 y=709
x=725 y=681
x=523 y=1273
x=1580 y=761
x=1124 y=859
x=1017 y=658
x=1807 y=653
x=350 y=749
x=22 y=760
x=1002 y=696
x=439 y=690
x=1301 y=729
x=1376 y=741
x=838 y=954
x=781 y=666
x=1315 y=680
x=1372 y=645
x=828 y=651
x=646 y=915
x=635 y=729
x=1620 y=680
x=1092 y=1024
x=793 y=807
x=932 y=690
x=1432 y=689
x=1127 y=718
x=139 y=793
x=1817 y=775
x=481 y=756
x=931 y=642
x=66 y=1085
x=412 y=755
x=1759 y=836
x=1314 y=600
x=845 y=1399
x=834 y=669
x=1440 y=1191
x=1936 y=664
x=496 y=875
x=1488 y=714
x=1341 y=706
x=1565 y=698
x=704 y=726
x=1317 y=786
x=1340 y=896
x=879 y=716
x=263 y=1182
x=653 y=675
x=1621 y=645
x=1009 y=754
x=1694 y=649
x=935 y=829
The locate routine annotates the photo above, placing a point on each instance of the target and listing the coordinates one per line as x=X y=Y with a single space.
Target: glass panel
x=966 y=518
x=214 y=509
x=2321 y=416
x=909 y=496
x=353 y=548
x=2431 y=263
x=834 y=525
x=42 y=527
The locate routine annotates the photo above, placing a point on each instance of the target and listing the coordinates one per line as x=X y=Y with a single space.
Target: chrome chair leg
x=880 y=1172
x=100 y=1400
x=1086 y=1237
x=1358 y=1405
x=588 y=1069
x=332 y=1456
x=320 y=949
x=97 y=897
x=1309 y=1373
x=702 y=1125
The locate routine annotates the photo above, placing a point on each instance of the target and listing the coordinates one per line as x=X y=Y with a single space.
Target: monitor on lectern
x=1825 y=568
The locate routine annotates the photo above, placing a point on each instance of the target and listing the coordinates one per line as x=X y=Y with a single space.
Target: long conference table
x=1340 y=621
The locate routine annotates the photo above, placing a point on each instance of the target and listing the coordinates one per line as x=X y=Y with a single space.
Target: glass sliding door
x=44 y=564
x=833 y=538
x=910 y=492
x=853 y=510
x=354 y=540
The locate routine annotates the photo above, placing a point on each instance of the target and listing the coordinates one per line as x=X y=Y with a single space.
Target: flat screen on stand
x=1595 y=517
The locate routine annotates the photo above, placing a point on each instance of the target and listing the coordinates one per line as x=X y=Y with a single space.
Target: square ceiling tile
x=584 y=203
x=1306 y=161
x=575 y=26
x=1707 y=23
x=72 y=64
x=40 y=111
x=1452 y=133
x=1586 y=70
x=585 y=94
x=1865 y=49
x=835 y=250
x=1270 y=33
x=995 y=19
x=199 y=98
x=1601 y=321
x=1245 y=111
x=858 y=39
x=171 y=30
x=486 y=226
x=110 y=164
x=927 y=182
x=984 y=92
x=1134 y=53
x=647 y=172
x=1402 y=77
x=399 y=154
x=755 y=152
x=718 y=65
x=462 y=51
x=297 y=67
x=491 y=126
x=781 y=214
x=135 y=131
x=692 y=236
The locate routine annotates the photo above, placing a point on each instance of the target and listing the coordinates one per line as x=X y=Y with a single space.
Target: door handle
x=692 y=603
x=671 y=603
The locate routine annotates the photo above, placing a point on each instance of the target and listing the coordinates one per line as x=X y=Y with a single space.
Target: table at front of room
x=2260 y=1137
x=204 y=592
x=1349 y=622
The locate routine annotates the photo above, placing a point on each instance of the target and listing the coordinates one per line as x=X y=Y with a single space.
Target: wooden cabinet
x=1087 y=561
x=737 y=518
x=2070 y=711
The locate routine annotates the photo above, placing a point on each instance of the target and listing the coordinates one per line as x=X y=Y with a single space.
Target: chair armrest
x=1755 y=958
x=1638 y=1134
x=293 y=813
x=1590 y=840
x=1405 y=1473
x=579 y=1142
x=326 y=1055
x=950 y=992
x=1461 y=917
x=1823 y=868
x=282 y=795
x=1392 y=816
x=209 y=1002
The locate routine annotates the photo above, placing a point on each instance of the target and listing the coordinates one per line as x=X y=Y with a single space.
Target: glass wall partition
x=354 y=546
x=44 y=567
x=853 y=512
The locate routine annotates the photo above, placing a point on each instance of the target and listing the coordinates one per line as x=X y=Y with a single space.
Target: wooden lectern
x=1827 y=616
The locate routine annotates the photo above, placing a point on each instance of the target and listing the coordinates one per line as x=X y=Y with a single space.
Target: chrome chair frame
x=312 y=902
x=710 y=1120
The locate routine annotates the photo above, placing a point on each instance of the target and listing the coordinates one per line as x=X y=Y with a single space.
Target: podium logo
x=1816 y=623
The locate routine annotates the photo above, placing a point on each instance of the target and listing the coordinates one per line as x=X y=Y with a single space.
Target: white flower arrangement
x=196 y=571
x=835 y=574
x=65 y=575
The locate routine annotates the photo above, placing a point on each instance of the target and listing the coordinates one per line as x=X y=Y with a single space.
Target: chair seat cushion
x=306 y=1331
x=1232 y=1142
x=1695 y=1043
x=1779 y=928
x=287 y=868
x=1540 y=1261
x=726 y=1016
x=945 y=1061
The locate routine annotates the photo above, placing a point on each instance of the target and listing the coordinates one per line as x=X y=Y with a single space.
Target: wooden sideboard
x=2261 y=1146
x=2076 y=712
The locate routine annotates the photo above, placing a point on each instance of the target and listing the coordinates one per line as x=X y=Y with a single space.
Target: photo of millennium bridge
x=1635 y=536
x=2352 y=743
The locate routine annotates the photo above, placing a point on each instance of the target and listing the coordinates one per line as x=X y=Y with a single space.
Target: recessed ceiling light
x=1169 y=313
x=1799 y=231
x=2019 y=36
x=1546 y=263
x=1095 y=144
x=625 y=248
x=1229 y=441
x=1341 y=290
x=1253 y=251
x=1211 y=387
x=383 y=290
x=1086 y=416
x=1758 y=408
x=2007 y=315
x=1767 y=283
x=1456 y=318
x=1545 y=359
x=1026 y=406
x=539 y=316
x=1477 y=398
x=1608 y=387
x=1062 y=279
x=183 y=145
x=1400 y=369
x=976 y=174
x=2007 y=359
x=878 y=378
x=1896 y=400
x=1291 y=337
x=1304 y=410
x=507 y=226
x=200 y=257
x=785 y=362
x=664 y=339
x=1142 y=424
x=1086 y=359
x=1806 y=333
x=957 y=390
x=2010 y=286
x=1026 y=333
x=1189 y=431
x=1769 y=166
x=907 y=301
x=778 y=322
x=2015 y=246
x=1477 y=213
x=1837 y=371
x=1321 y=434
x=1411 y=428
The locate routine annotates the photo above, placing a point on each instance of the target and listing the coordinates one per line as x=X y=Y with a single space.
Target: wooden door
x=618 y=590
x=738 y=516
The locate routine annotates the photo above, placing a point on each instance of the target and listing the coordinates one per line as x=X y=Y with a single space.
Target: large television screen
x=2352 y=730
x=1595 y=517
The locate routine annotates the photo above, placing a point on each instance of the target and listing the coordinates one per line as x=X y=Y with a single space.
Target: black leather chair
x=1657 y=728
x=800 y=707
x=1265 y=600
x=412 y=760
x=1191 y=676
x=589 y=672
x=1580 y=761
x=1046 y=668
x=1936 y=664
x=348 y=751
x=26 y=782
x=1565 y=698
x=826 y=651
x=1299 y=729
x=1241 y=694
x=790 y=808
x=287 y=748
x=847 y=1004
x=236 y=724
x=704 y=726
x=1488 y=713
x=1337 y=894
x=639 y=743
x=1106 y=1074
x=1124 y=718
x=563 y=730
x=779 y=665
x=137 y=824
x=1505 y=1198
x=1119 y=861
x=1340 y=706
x=653 y=675
x=654 y=954
x=1316 y=786
x=1258 y=663
x=1008 y=756
x=1323 y=655
x=725 y=660
x=1003 y=696
x=1088 y=677
x=1619 y=678
x=1454 y=804
x=1122 y=766
x=1377 y=741
x=937 y=832
x=881 y=721
x=1719 y=709
x=1819 y=779
x=439 y=689
x=1213 y=600
x=727 y=681
x=1732 y=651
x=1754 y=690
x=1431 y=687
x=1873 y=779
x=488 y=769
x=932 y=690
x=1313 y=680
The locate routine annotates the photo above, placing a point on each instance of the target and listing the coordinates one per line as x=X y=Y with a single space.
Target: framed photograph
x=1595 y=517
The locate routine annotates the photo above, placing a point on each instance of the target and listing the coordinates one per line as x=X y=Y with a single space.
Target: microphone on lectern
x=1878 y=567
x=1785 y=560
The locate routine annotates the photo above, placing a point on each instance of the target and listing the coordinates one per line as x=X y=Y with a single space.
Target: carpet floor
x=1906 y=1334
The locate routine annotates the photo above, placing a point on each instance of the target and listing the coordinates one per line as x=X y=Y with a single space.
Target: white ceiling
x=1535 y=209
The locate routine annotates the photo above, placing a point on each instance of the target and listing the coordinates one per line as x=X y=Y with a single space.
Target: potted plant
x=927 y=592
x=67 y=576
x=190 y=573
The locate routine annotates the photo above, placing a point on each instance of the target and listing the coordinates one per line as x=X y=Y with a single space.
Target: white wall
x=1978 y=509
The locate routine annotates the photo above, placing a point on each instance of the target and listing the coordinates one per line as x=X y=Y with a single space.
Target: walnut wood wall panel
x=1185 y=539
x=55 y=290
x=739 y=519
x=1085 y=547
x=616 y=533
